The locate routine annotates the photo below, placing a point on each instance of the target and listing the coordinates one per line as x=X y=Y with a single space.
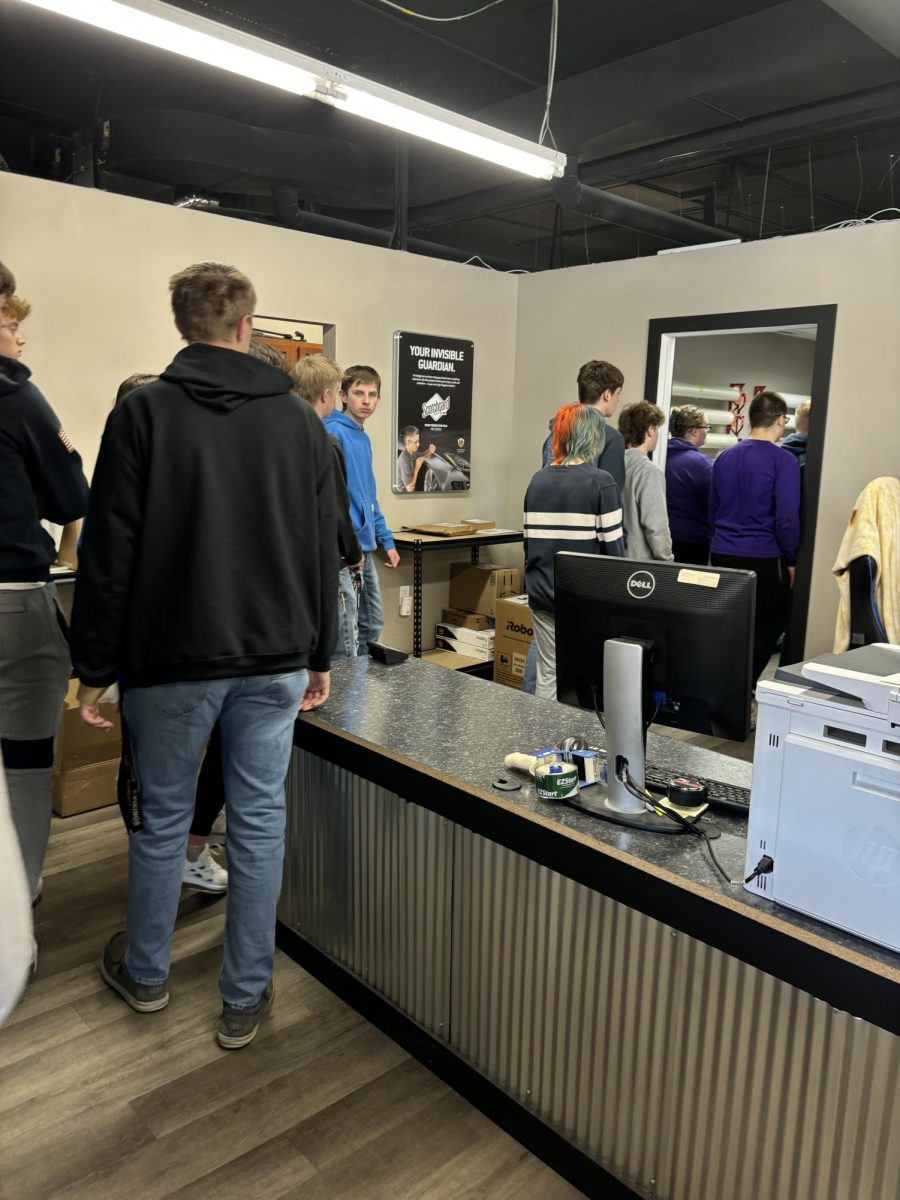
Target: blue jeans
x=529 y=679
x=360 y=615
x=169 y=727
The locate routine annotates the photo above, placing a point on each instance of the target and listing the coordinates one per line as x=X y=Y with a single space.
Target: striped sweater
x=568 y=508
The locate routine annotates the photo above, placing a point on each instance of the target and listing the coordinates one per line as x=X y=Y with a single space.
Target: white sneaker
x=217 y=833
x=204 y=874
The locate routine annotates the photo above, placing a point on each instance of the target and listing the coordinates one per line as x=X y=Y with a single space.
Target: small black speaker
x=386 y=654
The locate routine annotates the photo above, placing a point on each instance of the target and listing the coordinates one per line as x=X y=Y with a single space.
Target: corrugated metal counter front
x=691 y=1041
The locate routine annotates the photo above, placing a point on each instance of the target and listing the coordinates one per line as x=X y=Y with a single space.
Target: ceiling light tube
x=161 y=25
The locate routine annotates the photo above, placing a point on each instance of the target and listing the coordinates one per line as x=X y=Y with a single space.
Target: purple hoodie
x=754 y=502
x=688 y=473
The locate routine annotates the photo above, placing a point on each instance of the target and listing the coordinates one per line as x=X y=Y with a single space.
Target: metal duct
x=574 y=196
x=290 y=213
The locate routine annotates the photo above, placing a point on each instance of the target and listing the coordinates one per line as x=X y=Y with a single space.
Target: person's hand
x=355 y=568
x=792 y=574
x=317 y=689
x=91 y=715
x=392 y=558
x=429 y=450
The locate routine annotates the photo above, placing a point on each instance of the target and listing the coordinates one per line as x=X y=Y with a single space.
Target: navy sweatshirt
x=211 y=545
x=611 y=460
x=40 y=477
x=568 y=508
x=688 y=476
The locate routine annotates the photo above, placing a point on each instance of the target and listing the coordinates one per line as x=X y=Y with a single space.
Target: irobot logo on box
x=640 y=585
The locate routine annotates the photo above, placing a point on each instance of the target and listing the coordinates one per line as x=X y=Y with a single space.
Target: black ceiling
x=754 y=116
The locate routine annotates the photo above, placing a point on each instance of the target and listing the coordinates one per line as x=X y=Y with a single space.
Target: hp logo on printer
x=872 y=854
x=640 y=585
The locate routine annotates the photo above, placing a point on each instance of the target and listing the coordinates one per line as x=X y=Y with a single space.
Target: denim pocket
x=286 y=691
x=177 y=699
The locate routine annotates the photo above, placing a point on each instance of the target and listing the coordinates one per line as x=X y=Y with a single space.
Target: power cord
x=408 y=12
x=662 y=810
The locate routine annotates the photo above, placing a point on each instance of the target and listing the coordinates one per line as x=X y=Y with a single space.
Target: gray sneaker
x=238 y=1026
x=140 y=996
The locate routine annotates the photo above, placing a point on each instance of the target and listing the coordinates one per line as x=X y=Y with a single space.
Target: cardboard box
x=513 y=634
x=465 y=648
x=78 y=744
x=466 y=620
x=85 y=788
x=477 y=587
x=444 y=529
x=478 y=523
x=481 y=640
x=447 y=658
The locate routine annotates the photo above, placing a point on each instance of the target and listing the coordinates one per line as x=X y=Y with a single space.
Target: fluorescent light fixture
x=167 y=28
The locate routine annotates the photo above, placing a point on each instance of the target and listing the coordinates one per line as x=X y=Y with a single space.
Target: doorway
x=700 y=360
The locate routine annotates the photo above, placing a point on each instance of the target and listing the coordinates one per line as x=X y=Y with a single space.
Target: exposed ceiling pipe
x=290 y=213
x=574 y=196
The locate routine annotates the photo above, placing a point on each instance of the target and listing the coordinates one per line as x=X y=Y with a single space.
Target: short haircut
x=129 y=385
x=17 y=308
x=360 y=374
x=636 y=421
x=409 y=431
x=579 y=432
x=314 y=374
x=208 y=300
x=7 y=281
x=268 y=354
x=765 y=409
x=684 y=418
x=597 y=377
x=801 y=417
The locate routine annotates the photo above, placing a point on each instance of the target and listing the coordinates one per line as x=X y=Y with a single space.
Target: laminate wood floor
x=100 y=1103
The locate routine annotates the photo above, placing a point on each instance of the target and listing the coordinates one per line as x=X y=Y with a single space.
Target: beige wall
x=95 y=266
x=567 y=317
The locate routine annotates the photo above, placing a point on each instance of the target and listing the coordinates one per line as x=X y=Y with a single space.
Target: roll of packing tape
x=556 y=781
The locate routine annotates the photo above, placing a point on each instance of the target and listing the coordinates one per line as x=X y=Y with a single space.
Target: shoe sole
x=141 y=1006
x=210 y=889
x=236 y=1043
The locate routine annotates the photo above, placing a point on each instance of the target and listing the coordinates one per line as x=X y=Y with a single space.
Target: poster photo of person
x=432 y=414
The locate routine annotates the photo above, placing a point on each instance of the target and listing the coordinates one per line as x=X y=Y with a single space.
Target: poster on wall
x=432 y=414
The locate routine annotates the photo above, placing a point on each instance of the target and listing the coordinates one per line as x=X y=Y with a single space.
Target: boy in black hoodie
x=207 y=581
x=40 y=477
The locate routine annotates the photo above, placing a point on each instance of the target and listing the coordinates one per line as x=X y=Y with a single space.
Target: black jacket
x=210 y=548
x=348 y=542
x=40 y=476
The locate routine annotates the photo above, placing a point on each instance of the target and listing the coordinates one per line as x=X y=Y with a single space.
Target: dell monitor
x=643 y=641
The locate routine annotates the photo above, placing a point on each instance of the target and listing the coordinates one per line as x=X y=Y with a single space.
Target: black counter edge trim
x=530 y=1131
x=843 y=985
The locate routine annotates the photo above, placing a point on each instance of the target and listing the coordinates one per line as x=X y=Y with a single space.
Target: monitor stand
x=625 y=692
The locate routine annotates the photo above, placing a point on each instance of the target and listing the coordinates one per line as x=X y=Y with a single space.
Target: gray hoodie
x=644 y=511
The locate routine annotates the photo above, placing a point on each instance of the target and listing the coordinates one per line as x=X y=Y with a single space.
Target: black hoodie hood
x=13 y=374
x=224 y=379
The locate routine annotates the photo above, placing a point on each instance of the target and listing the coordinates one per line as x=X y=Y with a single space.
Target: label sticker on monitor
x=708 y=579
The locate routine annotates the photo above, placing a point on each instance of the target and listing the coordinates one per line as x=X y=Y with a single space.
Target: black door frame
x=824 y=317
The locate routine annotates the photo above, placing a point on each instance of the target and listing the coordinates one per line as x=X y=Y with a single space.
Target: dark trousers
x=210 y=787
x=772 y=600
x=691 y=552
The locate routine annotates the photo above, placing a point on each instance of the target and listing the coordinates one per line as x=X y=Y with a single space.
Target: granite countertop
x=459 y=728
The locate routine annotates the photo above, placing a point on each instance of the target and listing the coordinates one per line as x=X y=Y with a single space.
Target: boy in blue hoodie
x=360 y=614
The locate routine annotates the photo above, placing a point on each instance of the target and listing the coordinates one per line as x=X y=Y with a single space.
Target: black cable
x=597 y=707
x=408 y=12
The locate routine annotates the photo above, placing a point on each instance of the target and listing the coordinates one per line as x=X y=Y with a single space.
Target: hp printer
x=825 y=799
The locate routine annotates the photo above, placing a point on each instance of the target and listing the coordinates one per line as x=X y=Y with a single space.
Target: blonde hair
x=685 y=418
x=801 y=417
x=17 y=308
x=208 y=300
x=314 y=374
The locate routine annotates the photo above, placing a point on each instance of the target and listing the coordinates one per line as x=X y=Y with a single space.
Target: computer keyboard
x=726 y=796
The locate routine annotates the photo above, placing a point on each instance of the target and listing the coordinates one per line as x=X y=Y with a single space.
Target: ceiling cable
x=861 y=177
x=551 y=74
x=762 y=211
x=408 y=12
x=812 y=207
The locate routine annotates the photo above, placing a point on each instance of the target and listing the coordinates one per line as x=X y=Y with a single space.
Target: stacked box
x=462 y=640
x=86 y=761
x=513 y=634
x=476 y=587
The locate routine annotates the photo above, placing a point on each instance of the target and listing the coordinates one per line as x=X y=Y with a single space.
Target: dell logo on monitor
x=640 y=585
